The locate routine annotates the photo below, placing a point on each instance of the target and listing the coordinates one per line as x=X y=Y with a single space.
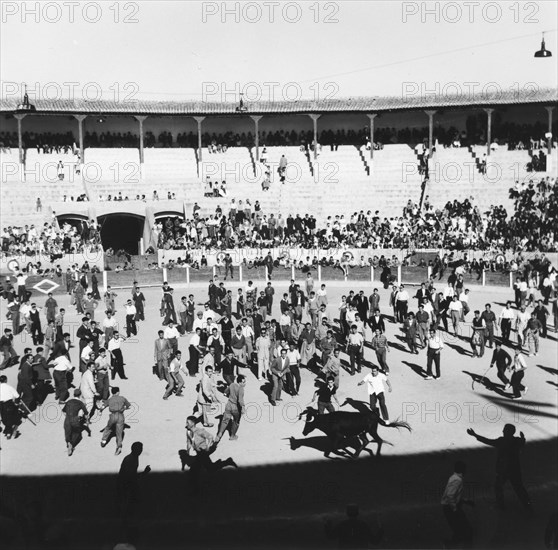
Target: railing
x=408 y=275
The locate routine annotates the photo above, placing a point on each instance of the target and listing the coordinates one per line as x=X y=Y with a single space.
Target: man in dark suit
x=423 y=294
x=284 y=304
x=361 y=302
x=279 y=368
x=62 y=347
x=84 y=334
x=376 y=322
x=374 y=301
x=7 y=348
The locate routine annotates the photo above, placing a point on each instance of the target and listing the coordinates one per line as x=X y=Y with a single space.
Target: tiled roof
x=356 y=104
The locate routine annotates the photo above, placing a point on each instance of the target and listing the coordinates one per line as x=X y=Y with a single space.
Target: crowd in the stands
x=516 y=136
x=457 y=226
x=51 y=239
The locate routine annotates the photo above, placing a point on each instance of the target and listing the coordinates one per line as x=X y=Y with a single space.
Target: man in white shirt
x=434 y=347
x=249 y=335
x=401 y=304
x=464 y=299
x=521 y=324
x=131 y=312
x=355 y=348
x=62 y=367
x=20 y=285
x=87 y=387
x=375 y=385
x=293 y=376
x=262 y=348
x=85 y=356
x=172 y=335
x=116 y=358
x=455 y=309
x=9 y=413
x=199 y=322
x=175 y=380
x=195 y=350
x=109 y=326
x=505 y=322
x=209 y=314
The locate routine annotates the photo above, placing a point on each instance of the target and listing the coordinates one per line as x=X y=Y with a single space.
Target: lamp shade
x=543 y=52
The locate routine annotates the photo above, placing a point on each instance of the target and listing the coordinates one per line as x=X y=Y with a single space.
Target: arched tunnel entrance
x=121 y=231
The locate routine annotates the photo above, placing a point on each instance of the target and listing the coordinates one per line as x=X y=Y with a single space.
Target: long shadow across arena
x=281 y=505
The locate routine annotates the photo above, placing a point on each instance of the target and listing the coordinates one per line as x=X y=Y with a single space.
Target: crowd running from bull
x=233 y=340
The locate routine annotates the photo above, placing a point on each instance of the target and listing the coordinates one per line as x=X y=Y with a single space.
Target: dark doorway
x=121 y=232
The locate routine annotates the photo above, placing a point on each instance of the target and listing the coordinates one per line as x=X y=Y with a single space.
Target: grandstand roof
x=370 y=104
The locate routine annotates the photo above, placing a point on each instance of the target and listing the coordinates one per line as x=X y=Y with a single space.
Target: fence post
x=428 y=272
x=188 y=274
x=266 y=273
x=165 y=274
x=105 y=279
x=240 y=272
x=214 y=271
x=293 y=272
x=399 y=274
x=511 y=280
x=483 y=277
x=319 y=273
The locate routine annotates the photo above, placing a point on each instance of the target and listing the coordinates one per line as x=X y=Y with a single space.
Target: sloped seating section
x=234 y=165
x=170 y=165
x=338 y=182
x=41 y=180
x=110 y=171
x=456 y=174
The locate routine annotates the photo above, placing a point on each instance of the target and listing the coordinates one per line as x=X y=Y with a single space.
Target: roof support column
x=21 y=156
x=199 y=120
x=488 y=131
x=430 y=131
x=80 y=119
x=140 y=119
x=315 y=118
x=549 y=166
x=256 y=119
x=371 y=116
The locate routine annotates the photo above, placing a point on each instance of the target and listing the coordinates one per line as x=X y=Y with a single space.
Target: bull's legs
x=377 y=439
x=363 y=438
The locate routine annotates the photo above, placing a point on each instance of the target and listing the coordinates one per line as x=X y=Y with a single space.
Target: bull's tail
x=395 y=424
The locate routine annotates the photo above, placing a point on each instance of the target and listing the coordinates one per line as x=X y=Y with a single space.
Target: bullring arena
x=447 y=203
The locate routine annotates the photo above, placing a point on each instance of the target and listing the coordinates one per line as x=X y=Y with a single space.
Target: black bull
x=341 y=427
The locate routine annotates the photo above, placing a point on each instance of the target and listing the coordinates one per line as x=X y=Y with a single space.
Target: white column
x=488 y=130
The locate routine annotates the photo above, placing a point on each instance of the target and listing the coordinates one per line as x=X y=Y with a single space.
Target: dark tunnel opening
x=121 y=232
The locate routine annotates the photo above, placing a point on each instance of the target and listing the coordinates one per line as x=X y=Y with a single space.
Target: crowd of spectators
x=457 y=226
x=516 y=136
x=532 y=226
x=44 y=142
x=51 y=240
